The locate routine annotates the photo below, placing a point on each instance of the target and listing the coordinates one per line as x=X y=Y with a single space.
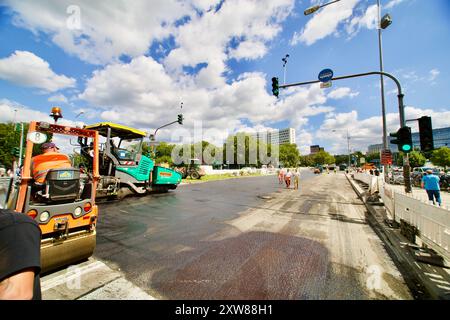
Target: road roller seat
x=61 y=185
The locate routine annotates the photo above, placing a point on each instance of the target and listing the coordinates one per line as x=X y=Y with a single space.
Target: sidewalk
x=426 y=280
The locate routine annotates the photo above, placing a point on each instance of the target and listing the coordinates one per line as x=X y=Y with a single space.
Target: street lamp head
x=311 y=10
x=386 y=21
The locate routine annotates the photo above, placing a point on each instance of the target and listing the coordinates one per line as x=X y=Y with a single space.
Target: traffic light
x=403 y=139
x=180 y=119
x=275 y=87
x=426 y=134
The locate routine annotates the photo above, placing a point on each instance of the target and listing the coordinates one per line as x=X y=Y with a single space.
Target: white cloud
x=343 y=92
x=249 y=50
x=143 y=94
x=103 y=31
x=24 y=68
x=325 y=22
x=413 y=76
x=208 y=38
x=106 y=30
x=434 y=73
x=393 y=3
x=304 y=140
x=58 y=98
x=364 y=132
x=368 y=20
x=11 y=111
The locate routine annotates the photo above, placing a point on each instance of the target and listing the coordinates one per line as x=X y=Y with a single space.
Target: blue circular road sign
x=325 y=75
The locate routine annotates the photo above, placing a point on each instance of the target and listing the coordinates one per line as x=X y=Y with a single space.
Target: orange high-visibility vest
x=42 y=163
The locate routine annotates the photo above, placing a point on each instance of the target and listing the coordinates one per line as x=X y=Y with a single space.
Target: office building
x=281 y=136
x=441 y=138
x=315 y=148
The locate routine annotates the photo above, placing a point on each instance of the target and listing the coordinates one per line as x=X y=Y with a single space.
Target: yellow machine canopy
x=117 y=130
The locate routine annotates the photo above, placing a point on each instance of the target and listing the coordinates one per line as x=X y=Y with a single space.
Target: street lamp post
x=383 y=105
x=348 y=148
x=284 y=67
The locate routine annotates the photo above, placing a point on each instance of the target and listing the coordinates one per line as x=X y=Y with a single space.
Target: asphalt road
x=223 y=240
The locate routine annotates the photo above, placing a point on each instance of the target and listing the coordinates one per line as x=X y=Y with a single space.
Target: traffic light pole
x=401 y=110
x=21 y=145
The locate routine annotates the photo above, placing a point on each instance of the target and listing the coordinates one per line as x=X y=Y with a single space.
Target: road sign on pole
x=386 y=157
x=325 y=75
x=324 y=85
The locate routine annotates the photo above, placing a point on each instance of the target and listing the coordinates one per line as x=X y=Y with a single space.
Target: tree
x=164 y=149
x=241 y=156
x=289 y=155
x=341 y=158
x=441 y=157
x=10 y=139
x=416 y=159
x=306 y=161
x=323 y=157
x=372 y=156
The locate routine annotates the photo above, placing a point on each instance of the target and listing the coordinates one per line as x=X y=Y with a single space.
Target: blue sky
x=115 y=63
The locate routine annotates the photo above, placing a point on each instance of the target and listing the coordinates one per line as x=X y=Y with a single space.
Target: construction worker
x=50 y=158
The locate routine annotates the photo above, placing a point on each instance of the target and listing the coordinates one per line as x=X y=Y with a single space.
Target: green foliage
x=441 y=157
x=372 y=156
x=289 y=155
x=164 y=150
x=78 y=159
x=306 y=161
x=242 y=155
x=341 y=159
x=323 y=157
x=416 y=159
x=164 y=159
x=10 y=142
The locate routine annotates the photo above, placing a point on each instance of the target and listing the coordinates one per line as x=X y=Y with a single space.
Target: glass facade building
x=441 y=138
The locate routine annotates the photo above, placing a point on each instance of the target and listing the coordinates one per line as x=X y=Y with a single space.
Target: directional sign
x=326 y=75
x=325 y=85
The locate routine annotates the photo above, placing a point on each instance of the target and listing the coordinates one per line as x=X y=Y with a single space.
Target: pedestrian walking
x=281 y=176
x=287 y=178
x=296 y=179
x=430 y=182
x=20 y=252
